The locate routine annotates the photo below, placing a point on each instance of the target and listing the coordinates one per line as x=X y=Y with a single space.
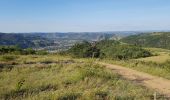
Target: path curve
x=160 y=84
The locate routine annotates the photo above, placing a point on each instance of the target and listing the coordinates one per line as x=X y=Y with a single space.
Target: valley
x=105 y=69
x=84 y=50
x=54 y=42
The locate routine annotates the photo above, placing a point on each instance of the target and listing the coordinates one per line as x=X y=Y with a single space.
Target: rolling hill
x=156 y=39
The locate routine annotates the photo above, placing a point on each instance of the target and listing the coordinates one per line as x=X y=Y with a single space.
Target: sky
x=84 y=15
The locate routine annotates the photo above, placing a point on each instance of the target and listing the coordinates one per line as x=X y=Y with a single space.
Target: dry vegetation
x=158 y=65
x=161 y=55
x=53 y=77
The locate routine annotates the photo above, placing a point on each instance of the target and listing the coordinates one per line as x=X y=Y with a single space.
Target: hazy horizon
x=95 y=31
x=83 y=15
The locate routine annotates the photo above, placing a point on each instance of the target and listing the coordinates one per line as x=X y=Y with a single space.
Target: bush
x=128 y=52
x=108 y=49
x=9 y=49
x=84 y=49
x=41 y=52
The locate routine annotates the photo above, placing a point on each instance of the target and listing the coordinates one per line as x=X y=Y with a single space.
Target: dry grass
x=157 y=65
x=56 y=79
x=161 y=58
x=161 y=55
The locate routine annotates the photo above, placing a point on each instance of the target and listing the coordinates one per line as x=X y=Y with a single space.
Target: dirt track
x=160 y=84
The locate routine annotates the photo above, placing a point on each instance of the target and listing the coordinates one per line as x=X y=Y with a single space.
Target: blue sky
x=83 y=15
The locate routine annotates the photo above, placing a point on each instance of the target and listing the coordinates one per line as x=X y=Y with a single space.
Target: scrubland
x=54 y=77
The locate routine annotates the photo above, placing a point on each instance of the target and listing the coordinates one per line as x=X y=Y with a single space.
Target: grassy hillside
x=157 y=40
x=157 y=65
x=53 y=77
x=36 y=75
x=161 y=55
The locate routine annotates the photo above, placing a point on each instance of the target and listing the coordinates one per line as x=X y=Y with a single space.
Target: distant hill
x=88 y=36
x=57 y=41
x=51 y=41
x=24 y=40
x=156 y=39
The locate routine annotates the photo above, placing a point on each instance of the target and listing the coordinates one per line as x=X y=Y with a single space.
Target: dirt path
x=160 y=84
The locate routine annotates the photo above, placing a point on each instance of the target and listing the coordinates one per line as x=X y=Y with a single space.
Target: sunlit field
x=161 y=55
x=34 y=77
x=157 y=65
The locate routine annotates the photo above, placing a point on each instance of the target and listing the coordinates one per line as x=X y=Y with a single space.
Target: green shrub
x=84 y=49
x=41 y=52
x=9 y=49
x=127 y=52
x=108 y=49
